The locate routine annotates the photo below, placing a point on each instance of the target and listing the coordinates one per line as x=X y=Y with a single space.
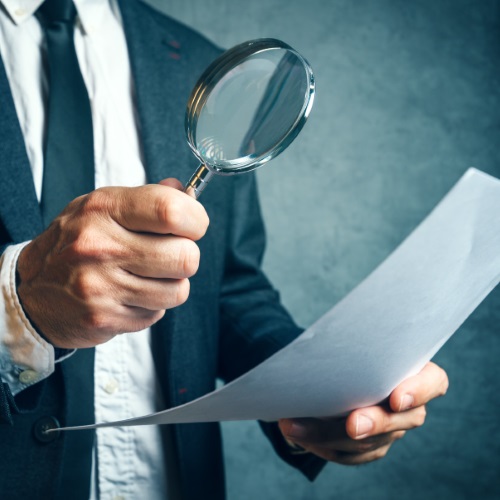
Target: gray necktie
x=69 y=144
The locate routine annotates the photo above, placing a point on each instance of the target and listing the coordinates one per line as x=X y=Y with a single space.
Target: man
x=124 y=259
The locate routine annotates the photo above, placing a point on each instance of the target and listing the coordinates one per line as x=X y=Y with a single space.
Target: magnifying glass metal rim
x=207 y=82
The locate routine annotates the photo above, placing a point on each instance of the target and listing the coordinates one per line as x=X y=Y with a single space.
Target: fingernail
x=406 y=402
x=297 y=430
x=364 y=425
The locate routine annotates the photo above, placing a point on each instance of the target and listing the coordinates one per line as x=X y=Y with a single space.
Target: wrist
x=25 y=358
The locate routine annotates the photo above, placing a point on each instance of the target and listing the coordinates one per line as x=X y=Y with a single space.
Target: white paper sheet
x=385 y=330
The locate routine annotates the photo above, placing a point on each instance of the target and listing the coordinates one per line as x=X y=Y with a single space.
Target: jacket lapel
x=161 y=64
x=157 y=78
x=21 y=216
x=19 y=209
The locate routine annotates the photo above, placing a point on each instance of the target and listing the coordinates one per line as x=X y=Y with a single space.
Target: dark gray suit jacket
x=231 y=322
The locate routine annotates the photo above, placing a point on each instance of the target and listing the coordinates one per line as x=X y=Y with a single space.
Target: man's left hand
x=368 y=433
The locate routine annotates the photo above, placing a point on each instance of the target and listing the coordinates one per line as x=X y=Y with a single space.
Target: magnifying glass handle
x=198 y=181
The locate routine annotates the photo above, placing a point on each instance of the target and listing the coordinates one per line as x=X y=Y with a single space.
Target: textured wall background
x=408 y=98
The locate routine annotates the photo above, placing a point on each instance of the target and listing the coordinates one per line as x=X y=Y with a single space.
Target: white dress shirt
x=128 y=461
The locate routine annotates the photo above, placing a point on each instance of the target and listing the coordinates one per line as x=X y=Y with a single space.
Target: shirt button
x=118 y=497
x=28 y=376
x=20 y=12
x=111 y=386
x=42 y=425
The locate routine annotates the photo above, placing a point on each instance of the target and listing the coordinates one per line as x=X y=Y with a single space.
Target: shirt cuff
x=25 y=357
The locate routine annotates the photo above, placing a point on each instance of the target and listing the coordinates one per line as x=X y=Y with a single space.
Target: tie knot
x=57 y=11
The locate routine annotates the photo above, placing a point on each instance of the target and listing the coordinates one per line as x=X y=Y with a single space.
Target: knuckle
x=169 y=211
x=204 y=222
x=84 y=245
x=182 y=291
x=97 y=322
x=91 y=243
x=380 y=453
x=366 y=446
x=84 y=286
x=420 y=416
x=95 y=201
x=445 y=383
x=150 y=319
x=423 y=410
x=157 y=316
x=190 y=259
x=59 y=224
x=160 y=301
x=398 y=435
x=385 y=423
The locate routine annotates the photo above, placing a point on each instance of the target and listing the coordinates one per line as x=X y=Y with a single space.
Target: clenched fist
x=112 y=262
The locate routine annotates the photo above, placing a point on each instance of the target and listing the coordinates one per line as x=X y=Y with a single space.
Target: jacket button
x=28 y=376
x=42 y=425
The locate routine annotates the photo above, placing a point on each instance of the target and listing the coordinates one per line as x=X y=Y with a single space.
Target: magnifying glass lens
x=247 y=107
x=251 y=109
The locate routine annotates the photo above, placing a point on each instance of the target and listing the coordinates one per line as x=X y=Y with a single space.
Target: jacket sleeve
x=254 y=324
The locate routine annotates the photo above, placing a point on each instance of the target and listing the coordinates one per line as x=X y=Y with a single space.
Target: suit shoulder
x=176 y=29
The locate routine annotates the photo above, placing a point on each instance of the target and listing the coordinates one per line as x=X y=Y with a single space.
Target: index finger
x=418 y=390
x=158 y=209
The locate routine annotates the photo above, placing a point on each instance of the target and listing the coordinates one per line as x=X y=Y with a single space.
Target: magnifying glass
x=246 y=108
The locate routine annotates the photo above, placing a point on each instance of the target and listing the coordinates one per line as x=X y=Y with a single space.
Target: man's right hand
x=112 y=262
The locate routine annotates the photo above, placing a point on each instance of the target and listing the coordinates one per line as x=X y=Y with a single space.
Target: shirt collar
x=20 y=10
x=91 y=13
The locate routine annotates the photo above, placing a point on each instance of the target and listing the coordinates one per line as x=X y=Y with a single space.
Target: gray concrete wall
x=407 y=99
